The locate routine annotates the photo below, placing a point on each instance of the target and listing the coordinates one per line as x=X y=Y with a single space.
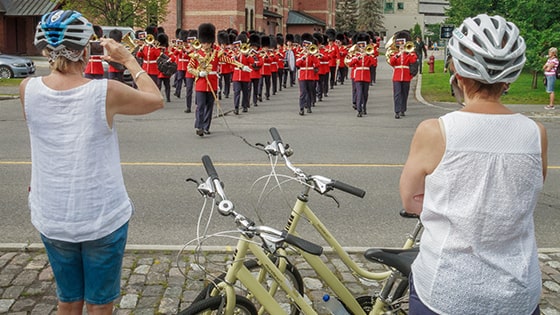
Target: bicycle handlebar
x=324 y=183
x=226 y=208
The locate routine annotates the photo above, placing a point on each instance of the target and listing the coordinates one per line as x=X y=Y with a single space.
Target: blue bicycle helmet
x=63 y=29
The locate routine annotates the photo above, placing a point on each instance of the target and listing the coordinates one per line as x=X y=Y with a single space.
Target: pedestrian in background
x=420 y=49
x=474 y=176
x=550 y=74
x=77 y=196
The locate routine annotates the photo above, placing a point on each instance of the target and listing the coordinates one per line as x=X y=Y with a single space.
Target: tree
x=346 y=15
x=370 y=16
x=121 y=12
x=538 y=22
x=416 y=31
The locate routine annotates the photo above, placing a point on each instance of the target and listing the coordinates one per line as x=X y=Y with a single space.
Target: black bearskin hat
x=403 y=34
x=163 y=40
x=242 y=37
x=223 y=38
x=331 y=34
x=192 y=33
x=231 y=37
x=183 y=35
x=273 y=42
x=279 y=40
x=362 y=37
x=265 y=41
x=297 y=38
x=319 y=37
x=306 y=37
x=207 y=33
x=151 y=30
x=290 y=38
x=255 y=40
x=339 y=36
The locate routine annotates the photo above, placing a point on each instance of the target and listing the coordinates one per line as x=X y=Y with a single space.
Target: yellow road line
x=553 y=167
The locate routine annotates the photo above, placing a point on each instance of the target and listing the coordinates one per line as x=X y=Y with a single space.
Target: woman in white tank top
x=474 y=176
x=77 y=197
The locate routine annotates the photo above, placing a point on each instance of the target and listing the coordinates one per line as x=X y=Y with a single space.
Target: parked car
x=15 y=66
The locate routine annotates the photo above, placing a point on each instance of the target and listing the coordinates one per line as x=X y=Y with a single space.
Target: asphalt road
x=159 y=151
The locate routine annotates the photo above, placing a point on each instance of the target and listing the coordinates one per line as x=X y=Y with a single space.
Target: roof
x=28 y=7
x=300 y=18
x=272 y=14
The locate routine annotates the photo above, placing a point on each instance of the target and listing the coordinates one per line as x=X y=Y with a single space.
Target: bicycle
x=391 y=296
x=223 y=297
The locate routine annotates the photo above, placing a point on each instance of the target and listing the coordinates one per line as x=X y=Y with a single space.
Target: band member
x=204 y=65
x=280 y=53
x=225 y=69
x=164 y=80
x=373 y=68
x=332 y=51
x=289 y=61
x=265 y=69
x=273 y=64
x=342 y=72
x=149 y=53
x=255 y=44
x=241 y=79
x=360 y=63
x=308 y=66
x=182 y=62
x=400 y=61
x=189 y=77
x=322 y=83
x=94 y=68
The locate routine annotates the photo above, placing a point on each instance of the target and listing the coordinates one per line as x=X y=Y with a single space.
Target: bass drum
x=291 y=60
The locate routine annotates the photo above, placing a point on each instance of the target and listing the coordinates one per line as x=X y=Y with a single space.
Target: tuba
x=391 y=48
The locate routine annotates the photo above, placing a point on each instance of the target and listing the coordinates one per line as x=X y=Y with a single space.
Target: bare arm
x=22 y=86
x=426 y=150
x=544 y=149
x=123 y=99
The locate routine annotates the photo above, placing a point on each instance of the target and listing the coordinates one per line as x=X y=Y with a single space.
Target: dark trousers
x=362 y=94
x=400 y=95
x=342 y=73
x=306 y=93
x=167 y=87
x=254 y=88
x=333 y=77
x=264 y=81
x=274 y=82
x=292 y=75
x=119 y=76
x=225 y=86
x=189 y=84
x=240 y=93
x=322 y=86
x=179 y=81
x=281 y=73
x=204 y=108
x=373 y=73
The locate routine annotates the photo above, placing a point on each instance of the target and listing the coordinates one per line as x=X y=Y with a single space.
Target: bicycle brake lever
x=333 y=198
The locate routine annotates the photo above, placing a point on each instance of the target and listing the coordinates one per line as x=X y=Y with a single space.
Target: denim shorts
x=550 y=80
x=90 y=270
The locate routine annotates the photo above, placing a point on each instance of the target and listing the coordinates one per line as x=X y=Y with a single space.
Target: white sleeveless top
x=478 y=253
x=77 y=190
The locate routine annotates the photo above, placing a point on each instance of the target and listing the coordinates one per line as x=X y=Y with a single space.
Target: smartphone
x=95 y=49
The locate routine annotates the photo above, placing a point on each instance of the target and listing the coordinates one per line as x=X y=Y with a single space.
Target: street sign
x=446 y=31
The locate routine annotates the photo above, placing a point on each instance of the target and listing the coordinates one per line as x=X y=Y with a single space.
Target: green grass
x=435 y=88
x=10 y=82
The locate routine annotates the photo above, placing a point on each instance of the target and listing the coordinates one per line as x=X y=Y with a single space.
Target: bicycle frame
x=238 y=272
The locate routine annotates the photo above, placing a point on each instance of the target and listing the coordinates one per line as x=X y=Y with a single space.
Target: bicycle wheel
x=292 y=275
x=212 y=305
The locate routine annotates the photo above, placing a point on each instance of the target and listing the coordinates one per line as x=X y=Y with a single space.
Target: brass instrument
x=391 y=48
x=370 y=49
x=129 y=43
x=196 y=44
x=245 y=48
x=409 y=47
x=353 y=49
x=312 y=49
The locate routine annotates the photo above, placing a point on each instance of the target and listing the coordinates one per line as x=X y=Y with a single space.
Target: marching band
x=254 y=64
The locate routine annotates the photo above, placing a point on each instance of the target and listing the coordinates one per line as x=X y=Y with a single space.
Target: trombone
x=196 y=44
x=151 y=41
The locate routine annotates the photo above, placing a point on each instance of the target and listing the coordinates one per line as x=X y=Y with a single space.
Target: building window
x=400 y=5
x=389 y=7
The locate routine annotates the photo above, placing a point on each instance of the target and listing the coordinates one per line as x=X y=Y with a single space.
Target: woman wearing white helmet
x=474 y=176
x=77 y=196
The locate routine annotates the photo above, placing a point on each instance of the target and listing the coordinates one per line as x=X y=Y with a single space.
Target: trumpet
x=370 y=49
x=312 y=49
x=245 y=48
x=150 y=39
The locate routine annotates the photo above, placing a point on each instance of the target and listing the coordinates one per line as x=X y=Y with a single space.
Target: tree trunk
x=535 y=83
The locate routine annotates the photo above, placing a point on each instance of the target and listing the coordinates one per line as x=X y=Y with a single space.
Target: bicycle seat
x=408 y=215
x=400 y=259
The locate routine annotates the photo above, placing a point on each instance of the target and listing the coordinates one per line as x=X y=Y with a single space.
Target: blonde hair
x=553 y=50
x=61 y=63
x=484 y=90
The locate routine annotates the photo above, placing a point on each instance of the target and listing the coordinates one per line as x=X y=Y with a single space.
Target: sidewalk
x=152 y=283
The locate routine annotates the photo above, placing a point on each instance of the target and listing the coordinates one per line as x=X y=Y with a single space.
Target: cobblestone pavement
x=152 y=282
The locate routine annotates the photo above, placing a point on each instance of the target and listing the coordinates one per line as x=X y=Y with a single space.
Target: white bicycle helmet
x=63 y=29
x=487 y=49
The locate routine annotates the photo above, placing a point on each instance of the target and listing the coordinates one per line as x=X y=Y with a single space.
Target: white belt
x=95 y=60
x=362 y=68
x=150 y=61
x=401 y=67
x=324 y=62
x=307 y=68
x=266 y=64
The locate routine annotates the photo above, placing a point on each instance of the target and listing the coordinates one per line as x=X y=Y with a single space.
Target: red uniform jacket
x=308 y=67
x=238 y=73
x=150 y=55
x=324 y=58
x=210 y=82
x=267 y=61
x=94 y=65
x=256 y=67
x=360 y=64
x=400 y=63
